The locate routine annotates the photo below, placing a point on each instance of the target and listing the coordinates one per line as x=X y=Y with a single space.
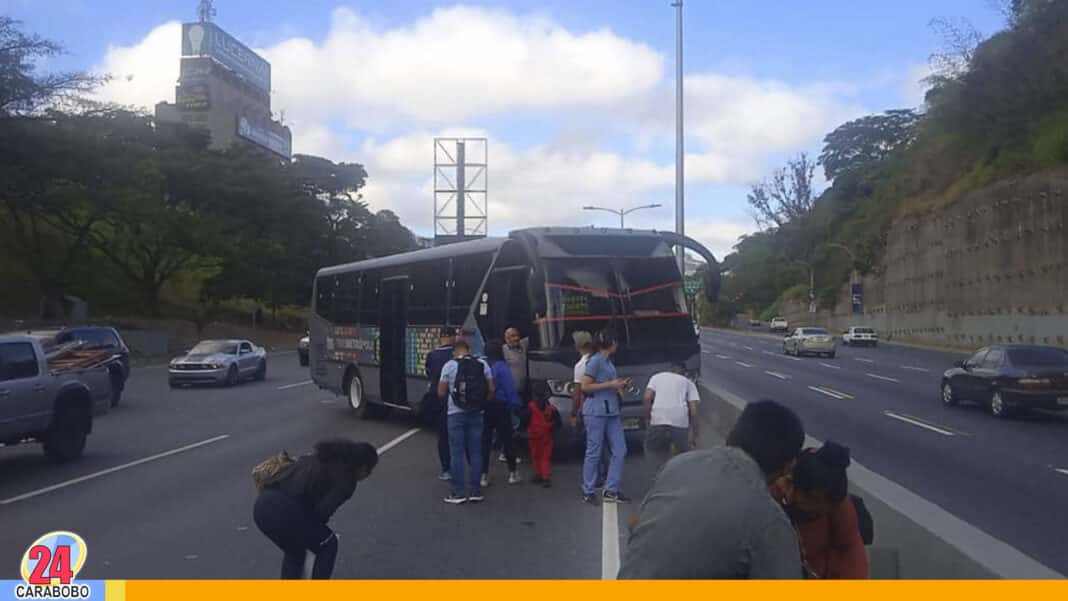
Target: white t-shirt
x=670 y=405
x=580 y=368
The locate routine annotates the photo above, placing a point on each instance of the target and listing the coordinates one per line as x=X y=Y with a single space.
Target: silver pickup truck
x=50 y=401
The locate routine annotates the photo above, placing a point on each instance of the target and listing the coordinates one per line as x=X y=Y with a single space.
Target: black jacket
x=435 y=362
x=319 y=487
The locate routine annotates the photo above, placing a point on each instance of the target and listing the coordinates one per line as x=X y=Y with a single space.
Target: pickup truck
x=51 y=397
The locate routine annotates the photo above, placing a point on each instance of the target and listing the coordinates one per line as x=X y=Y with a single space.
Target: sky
x=576 y=99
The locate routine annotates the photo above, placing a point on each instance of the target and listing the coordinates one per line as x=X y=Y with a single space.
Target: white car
x=858 y=336
x=779 y=324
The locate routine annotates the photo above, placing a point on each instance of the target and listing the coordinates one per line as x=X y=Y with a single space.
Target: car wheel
x=172 y=383
x=998 y=407
x=949 y=397
x=261 y=372
x=357 y=399
x=232 y=376
x=831 y=354
x=66 y=436
x=116 y=386
x=785 y=350
x=304 y=361
x=874 y=345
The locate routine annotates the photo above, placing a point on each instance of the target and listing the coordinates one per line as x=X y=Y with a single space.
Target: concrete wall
x=990 y=267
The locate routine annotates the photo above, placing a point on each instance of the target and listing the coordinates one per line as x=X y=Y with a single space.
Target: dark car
x=1010 y=379
x=94 y=338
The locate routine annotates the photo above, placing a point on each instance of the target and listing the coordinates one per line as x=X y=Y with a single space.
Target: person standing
x=467 y=383
x=499 y=411
x=543 y=419
x=671 y=412
x=717 y=513
x=515 y=352
x=437 y=407
x=584 y=346
x=295 y=504
x=604 y=423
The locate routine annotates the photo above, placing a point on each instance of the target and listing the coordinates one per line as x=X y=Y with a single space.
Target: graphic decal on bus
x=421 y=340
x=355 y=344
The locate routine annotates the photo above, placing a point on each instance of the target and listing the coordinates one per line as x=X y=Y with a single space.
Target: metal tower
x=461 y=179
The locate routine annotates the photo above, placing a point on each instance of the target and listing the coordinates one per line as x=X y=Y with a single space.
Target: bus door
x=505 y=302
x=393 y=322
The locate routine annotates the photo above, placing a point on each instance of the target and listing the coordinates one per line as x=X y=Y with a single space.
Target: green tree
x=24 y=91
x=786 y=196
x=862 y=142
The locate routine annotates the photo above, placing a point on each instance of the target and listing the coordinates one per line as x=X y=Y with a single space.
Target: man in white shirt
x=584 y=346
x=671 y=414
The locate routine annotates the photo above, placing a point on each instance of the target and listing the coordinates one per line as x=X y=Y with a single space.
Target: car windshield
x=863 y=331
x=642 y=298
x=1039 y=357
x=211 y=347
x=815 y=332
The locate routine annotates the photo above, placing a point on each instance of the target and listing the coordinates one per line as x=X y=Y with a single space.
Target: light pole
x=621 y=212
x=811 y=285
x=680 y=211
x=855 y=292
x=852 y=257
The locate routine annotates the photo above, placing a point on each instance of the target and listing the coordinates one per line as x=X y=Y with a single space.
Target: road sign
x=692 y=287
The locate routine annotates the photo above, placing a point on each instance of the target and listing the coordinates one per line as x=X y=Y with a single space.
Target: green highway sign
x=692 y=286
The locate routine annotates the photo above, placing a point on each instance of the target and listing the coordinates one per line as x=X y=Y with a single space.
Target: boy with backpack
x=543 y=419
x=468 y=384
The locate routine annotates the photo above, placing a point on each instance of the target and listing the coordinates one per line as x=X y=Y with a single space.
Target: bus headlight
x=561 y=387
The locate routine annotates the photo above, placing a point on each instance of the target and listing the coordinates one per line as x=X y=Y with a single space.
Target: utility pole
x=811 y=284
x=680 y=155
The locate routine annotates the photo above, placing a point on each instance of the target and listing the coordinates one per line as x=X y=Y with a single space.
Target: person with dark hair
x=671 y=412
x=543 y=419
x=296 y=503
x=604 y=423
x=467 y=383
x=436 y=408
x=498 y=416
x=824 y=514
x=713 y=513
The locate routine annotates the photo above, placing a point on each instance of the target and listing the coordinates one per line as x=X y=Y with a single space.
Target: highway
x=1009 y=478
x=165 y=491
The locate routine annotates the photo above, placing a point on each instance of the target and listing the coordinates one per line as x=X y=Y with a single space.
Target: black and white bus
x=374 y=321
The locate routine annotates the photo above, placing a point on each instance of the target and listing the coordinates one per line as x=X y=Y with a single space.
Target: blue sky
x=575 y=97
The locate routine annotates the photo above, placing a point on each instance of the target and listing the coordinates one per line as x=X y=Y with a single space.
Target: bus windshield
x=641 y=298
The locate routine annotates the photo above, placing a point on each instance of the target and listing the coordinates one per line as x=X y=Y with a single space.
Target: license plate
x=633 y=423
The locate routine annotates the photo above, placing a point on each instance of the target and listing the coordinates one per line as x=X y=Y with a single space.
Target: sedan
x=222 y=362
x=815 y=341
x=1010 y=379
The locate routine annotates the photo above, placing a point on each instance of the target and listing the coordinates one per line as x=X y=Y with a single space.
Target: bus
x=373 y=322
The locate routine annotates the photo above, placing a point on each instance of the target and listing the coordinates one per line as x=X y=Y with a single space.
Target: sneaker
x=590 y=499
x=444 y=476
x=611 y=496
x=513 y=478
x=455 y=500
x=484 y=481
x=546 y=483
x=476 y=498
x=504 y=459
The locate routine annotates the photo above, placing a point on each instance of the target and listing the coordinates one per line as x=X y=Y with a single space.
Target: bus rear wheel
x=357 y=397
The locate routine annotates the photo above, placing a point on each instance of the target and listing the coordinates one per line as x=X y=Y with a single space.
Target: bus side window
x=324 y=296
x=426 y=302
x=369 y=299
x=346 y=299
x=467 y=275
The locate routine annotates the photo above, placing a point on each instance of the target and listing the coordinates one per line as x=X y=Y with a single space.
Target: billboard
x=207 y=39
x=255 y=130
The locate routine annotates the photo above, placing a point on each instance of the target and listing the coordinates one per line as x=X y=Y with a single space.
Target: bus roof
x=458 y=249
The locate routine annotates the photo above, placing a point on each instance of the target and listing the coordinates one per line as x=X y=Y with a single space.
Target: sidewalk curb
x=978 y=554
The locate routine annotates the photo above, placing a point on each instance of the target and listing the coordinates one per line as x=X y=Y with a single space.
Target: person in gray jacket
x=717 y=513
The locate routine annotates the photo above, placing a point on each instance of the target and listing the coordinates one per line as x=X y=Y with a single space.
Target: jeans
x=498 y=418
x=465 y=446
x=295 y=532
x=601 y=429
x=664 y=442
x=443 y=441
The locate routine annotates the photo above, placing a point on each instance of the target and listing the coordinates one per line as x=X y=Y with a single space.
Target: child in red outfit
x=543 y=419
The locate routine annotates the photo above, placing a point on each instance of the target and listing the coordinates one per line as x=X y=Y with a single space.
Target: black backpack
x=470 y=390
x=865 y=523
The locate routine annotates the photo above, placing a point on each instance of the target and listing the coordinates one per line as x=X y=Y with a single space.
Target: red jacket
x=542 y=420
x=832 y=543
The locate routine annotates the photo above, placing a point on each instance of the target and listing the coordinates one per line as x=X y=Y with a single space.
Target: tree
x=22 y=90
x=868 y=140
x=337 y=186
x=786 y=196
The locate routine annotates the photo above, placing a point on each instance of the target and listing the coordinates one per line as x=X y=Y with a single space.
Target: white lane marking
x=863 y=360
x=790 y=358
x=112 y=470
x=722 y=357
x=743 y=364
x=1061 y=471
x=911 y=368
x=884 y=378
x=830 y=366
x=835 y=394
x=776 y=374
x=609 y=541
x=748 y=348
x=396 y=441
x=919 y=424
x=288 y=386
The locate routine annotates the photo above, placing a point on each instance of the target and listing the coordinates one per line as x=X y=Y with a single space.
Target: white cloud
x=145 y=73
x=914 y=88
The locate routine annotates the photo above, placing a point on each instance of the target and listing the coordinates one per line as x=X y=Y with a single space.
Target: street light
x=811 y=284
x=621 y=212
x=852 y=257
x=680 y=154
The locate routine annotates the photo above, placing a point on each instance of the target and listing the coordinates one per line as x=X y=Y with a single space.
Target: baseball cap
x=582 y=338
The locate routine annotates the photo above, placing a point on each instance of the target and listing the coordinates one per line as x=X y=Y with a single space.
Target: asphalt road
x=1009 y=478
x=164 y=491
